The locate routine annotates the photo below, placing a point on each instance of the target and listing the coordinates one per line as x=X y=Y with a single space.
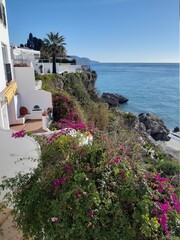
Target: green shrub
x=98 y=115
x=90 y=192
x=168 y=168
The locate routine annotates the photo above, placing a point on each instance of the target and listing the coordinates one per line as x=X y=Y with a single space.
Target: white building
x=25 y=56
x=31 y=97
x=46 y=67
x=17 y=84
x=7 y=85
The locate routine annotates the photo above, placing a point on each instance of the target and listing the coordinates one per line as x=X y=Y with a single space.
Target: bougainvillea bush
x=67 y=114
x=92 y=192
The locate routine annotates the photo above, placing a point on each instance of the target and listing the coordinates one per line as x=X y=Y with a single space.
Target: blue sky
x=103 y=30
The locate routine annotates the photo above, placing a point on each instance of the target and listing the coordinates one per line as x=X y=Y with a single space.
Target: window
x=2 y=14
x=7 y=65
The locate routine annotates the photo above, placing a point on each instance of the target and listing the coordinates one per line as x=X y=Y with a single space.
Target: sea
x=150 y=87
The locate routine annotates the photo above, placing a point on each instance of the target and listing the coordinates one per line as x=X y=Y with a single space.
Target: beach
x=171 y=147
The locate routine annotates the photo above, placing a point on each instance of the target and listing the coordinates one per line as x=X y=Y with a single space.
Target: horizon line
x=139 y=62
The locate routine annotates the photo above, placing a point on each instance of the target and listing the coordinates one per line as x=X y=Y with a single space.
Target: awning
x=10 y=91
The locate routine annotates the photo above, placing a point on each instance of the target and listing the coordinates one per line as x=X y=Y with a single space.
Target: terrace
x=33 y=126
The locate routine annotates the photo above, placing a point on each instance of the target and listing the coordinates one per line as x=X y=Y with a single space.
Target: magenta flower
x=176 y=203
x=60 y=181
x=158 y=178
x=162 y=218
x=18 y=134
x=117 y=160
x=68 y=168
x=164 y=206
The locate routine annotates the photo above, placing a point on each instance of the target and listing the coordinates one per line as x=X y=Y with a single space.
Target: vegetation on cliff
x=116 y=187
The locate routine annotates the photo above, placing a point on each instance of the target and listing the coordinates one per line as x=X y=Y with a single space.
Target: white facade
x=60 y=68
x=28 y=95
x=19 y=92
x=6 y=73
x=25 y=55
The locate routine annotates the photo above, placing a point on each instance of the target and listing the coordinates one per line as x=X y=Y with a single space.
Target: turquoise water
x=149 y=87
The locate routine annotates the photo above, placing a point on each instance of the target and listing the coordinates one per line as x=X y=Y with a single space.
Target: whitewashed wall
x=13 y=111
x=30 y=97
x=60 y=68
x=12 y=150
x=4 y=118
x=4 y=40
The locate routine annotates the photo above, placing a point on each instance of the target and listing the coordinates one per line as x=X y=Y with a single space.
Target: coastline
x=171 y=147
x=158 y=81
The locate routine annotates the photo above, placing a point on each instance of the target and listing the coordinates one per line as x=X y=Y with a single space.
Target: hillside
x=83 y=60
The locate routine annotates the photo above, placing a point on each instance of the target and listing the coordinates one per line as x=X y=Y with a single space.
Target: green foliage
x=99 y=115
x=34 y=42
x=130 y=119
x=168 y=168
x=98 y=191
x=76 y=87
x=73 y=85
x=48 y=82
x=54 y=45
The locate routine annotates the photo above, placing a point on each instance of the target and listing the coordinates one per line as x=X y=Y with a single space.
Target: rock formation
x=113 y=100
x=176 y=129
x=154 y=126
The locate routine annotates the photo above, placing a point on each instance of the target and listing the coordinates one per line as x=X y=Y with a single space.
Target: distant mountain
x=83 y=60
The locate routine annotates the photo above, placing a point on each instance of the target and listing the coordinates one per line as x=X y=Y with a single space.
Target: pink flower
x=117 y=160
x=90 y=213
x=155 y=198
x=77 y=195
x=54 y=219
x=163 y=221
x=68 y=168
x=124 y=149
x=177 y=206
x=18 y=134
x=164 y=206
x=176 y=203
x=60 y=181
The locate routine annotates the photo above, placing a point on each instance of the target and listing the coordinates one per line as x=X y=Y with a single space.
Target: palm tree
x=54 y=45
